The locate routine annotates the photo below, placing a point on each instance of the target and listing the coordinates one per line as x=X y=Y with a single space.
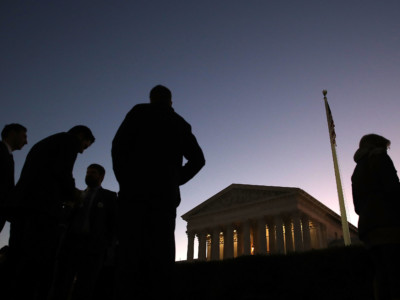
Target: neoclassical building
x=253 y=219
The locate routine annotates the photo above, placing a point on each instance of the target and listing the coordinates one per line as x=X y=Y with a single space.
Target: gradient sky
x=247 y=75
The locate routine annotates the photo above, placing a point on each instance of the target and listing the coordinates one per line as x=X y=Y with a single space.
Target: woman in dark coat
x=376 y=196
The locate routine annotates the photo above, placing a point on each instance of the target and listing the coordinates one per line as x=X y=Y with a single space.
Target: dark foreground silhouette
x=336 y=273
x=376 y=193
x=148 y=153
x=36 y=212
x=330 y=274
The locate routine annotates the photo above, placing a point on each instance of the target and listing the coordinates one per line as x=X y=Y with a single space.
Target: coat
x=46 y=180
x=148 y=151
x=7 y=182
x=6 y=173
x=101 y=219
x=376 y=194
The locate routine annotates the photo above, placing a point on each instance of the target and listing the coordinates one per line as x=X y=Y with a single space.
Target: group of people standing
x=60 y=237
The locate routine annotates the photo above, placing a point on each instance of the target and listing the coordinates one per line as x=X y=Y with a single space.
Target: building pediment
x=236 y=196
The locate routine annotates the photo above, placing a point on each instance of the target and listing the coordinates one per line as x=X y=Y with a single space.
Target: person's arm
x=111 y=216
x=5 y=183
x=63 y=165
x=194 y=156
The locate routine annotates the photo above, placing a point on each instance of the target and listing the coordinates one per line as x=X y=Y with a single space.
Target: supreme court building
x=253 y=219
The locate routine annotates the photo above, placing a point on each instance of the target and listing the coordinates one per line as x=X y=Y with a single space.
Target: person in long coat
x=376 y=197
x=13 y=137
x=46 y=186
x=88 y=241
x=148 y=151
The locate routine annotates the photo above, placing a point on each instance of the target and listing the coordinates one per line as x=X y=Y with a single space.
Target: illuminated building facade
x=252 y=219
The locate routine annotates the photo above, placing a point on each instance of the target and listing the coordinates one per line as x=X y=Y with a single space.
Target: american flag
x=331 y=125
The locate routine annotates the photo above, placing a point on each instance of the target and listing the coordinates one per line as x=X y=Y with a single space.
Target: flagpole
x=332 y=135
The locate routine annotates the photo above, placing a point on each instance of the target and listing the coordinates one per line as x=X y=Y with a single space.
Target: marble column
x=246 y=237
x=272 y=237
x=321 y=234
x=261 y=245
x=239 y=236
x=228 y=241
x=190 y=248
x=215 y=244
x=298 y=236
x=306 y=233
x=202 y=237
x=208 y=251
x=324 y=235
x=280 y=246
x=288 y=235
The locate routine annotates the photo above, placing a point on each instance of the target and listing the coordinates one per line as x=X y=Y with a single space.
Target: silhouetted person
x=45 y=186
x=376 y=196
x=147 y=152
x=13 y=137
x=90 y=235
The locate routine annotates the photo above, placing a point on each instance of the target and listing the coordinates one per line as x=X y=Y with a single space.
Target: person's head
x=85 y=136
x=374 y=141
x=94 y=175
x=15 y=136
x=161 y=95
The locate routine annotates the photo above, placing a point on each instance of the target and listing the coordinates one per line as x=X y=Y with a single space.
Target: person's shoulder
x=108 y=193
x=64 y=138
x=140 y=107
x=380 y=157
x=3 y=147
x=378 y=154
x=62 y=142
x=57 y=136
x=4 y=152
x=50 y=141
x=182 y=122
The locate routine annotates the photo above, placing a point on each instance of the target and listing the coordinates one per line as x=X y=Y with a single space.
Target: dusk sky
x=247 y=75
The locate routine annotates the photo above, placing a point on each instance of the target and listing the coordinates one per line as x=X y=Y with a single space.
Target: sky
x=247 y=75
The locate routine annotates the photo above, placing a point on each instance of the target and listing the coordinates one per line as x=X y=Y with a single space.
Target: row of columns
x=250 y=237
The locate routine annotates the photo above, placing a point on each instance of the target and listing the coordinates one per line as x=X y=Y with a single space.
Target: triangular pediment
x=237 y=195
